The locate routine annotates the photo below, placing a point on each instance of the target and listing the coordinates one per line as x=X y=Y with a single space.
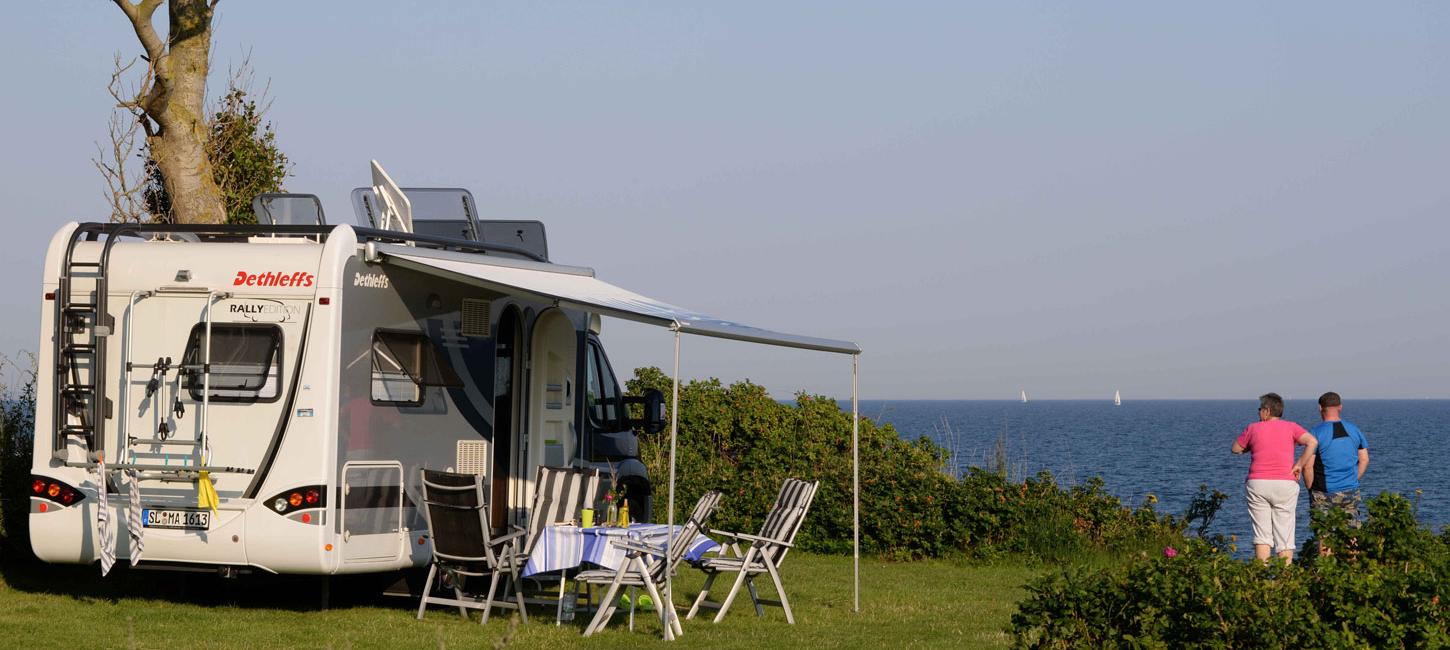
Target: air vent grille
x=475 y=318
x=472 y=457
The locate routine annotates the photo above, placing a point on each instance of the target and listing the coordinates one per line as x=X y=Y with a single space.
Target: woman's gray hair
x=1273 y=402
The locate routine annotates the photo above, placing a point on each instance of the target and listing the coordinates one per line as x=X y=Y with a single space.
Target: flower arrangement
x=614 y=497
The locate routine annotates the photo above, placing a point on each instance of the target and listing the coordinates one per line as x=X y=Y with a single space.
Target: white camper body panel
x=317 y=421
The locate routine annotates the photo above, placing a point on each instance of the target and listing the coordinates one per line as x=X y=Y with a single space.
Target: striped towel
x=107 y=539
x=133 y=516
x=566 y=547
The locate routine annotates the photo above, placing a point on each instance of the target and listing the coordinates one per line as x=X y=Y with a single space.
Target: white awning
x=577 y=287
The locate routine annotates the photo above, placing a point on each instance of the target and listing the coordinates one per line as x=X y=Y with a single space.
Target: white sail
x=1117 y=398
x=1024 y=397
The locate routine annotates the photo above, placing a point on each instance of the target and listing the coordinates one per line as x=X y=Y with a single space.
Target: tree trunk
x=178 y=141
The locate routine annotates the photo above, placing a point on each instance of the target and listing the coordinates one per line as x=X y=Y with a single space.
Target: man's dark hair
x=1273 y=402
x=1329 y=400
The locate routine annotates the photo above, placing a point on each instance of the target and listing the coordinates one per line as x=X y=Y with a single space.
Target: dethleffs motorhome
x=305 y=372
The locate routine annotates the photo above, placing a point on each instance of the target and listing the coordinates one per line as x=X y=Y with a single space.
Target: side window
x=246 y=362
x=404 y=365
x=603 y=389
x=594 y=390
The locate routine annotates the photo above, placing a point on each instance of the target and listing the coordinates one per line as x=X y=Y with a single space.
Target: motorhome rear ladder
x=81 y=327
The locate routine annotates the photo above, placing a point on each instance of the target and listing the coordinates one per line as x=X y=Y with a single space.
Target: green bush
x=17 y=430
x=1386 y=585
x=739 y=440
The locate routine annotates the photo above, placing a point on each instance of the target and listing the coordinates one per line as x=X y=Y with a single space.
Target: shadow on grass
x=255 y=589
x=252 y=590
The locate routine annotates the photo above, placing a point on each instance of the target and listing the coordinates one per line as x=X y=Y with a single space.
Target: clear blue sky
x=1211 y=200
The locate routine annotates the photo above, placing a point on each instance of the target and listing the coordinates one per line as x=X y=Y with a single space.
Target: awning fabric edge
x=594 y=295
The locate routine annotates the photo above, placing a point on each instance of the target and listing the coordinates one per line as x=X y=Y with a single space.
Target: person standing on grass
x=1272 y=488
x=1339 y=464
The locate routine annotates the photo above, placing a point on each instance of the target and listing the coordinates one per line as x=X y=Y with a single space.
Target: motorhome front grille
x=475 y=317
x=472 y=457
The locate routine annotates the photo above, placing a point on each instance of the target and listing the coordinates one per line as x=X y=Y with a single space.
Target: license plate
x=177 y=519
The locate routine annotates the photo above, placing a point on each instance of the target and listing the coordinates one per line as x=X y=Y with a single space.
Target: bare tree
x=124 y=185
x=170 y=106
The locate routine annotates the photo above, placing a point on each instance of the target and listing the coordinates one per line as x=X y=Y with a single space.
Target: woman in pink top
x=1273 y=485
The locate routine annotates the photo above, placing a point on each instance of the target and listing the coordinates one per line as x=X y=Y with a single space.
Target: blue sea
x=1169 y=447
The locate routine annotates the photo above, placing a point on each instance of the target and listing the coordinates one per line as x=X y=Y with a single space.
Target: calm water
x=1169 y=447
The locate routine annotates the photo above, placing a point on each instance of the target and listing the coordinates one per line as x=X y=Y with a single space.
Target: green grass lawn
x=917 y=604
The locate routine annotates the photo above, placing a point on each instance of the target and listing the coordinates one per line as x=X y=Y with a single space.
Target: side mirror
x=653 y=402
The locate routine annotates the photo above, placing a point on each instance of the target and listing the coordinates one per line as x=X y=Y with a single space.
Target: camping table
x=567 y=547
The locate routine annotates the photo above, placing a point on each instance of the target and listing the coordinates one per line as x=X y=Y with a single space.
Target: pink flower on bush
x=1169 y=551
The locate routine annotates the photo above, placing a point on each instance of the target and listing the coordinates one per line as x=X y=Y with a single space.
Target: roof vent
x=475 y=318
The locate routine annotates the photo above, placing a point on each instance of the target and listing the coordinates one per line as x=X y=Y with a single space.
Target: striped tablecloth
x=566 y=547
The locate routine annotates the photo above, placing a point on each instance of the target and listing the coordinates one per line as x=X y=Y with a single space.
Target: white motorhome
x=307 y=372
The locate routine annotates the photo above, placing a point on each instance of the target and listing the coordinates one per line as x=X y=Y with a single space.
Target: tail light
x=54 y=491
x=302 y=498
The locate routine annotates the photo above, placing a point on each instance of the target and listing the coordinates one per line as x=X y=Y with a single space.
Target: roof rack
x=113 y=232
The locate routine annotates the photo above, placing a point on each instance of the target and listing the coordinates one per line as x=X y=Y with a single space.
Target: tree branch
x=140 y=17
x=124 y=186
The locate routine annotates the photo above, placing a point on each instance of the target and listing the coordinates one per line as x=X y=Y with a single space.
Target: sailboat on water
x=1117 y=398
x=1024 y=397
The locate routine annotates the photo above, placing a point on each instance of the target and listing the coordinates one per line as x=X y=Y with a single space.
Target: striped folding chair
x=457 y=516
x=559 y=494
x=764 y=555
x=638 y=571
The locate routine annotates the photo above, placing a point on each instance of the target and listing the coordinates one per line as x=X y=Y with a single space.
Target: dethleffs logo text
x=370 y=280
x=270 y=279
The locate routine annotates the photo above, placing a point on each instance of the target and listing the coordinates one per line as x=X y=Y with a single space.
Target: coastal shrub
x=740 y=440
x=17 y=427
x=1386 y=585
x=991 y=515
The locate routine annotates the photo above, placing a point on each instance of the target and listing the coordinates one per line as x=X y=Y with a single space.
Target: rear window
x=404 y=365
x=246 y=362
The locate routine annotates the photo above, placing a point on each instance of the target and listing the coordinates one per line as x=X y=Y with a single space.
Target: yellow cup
x=586 y=517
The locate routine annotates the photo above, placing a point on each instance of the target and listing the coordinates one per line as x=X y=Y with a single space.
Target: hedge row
x=1385 y=585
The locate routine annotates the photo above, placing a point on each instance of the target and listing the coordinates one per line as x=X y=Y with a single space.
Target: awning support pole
x=668 y=607
x=855 y=479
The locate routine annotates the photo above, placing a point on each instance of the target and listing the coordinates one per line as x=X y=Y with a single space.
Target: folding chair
x=559 y=494
x=457 y=516
x=766 y=551
x=637 y=571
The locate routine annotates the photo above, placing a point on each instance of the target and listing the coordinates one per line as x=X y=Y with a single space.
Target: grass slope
x=917 y=604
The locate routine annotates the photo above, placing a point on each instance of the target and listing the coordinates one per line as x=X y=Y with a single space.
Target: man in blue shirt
x=1339 y=463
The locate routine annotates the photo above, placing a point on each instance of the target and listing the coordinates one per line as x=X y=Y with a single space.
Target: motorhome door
x=552 y=435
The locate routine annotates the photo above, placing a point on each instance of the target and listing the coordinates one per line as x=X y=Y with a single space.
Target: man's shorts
x=1347 y=501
